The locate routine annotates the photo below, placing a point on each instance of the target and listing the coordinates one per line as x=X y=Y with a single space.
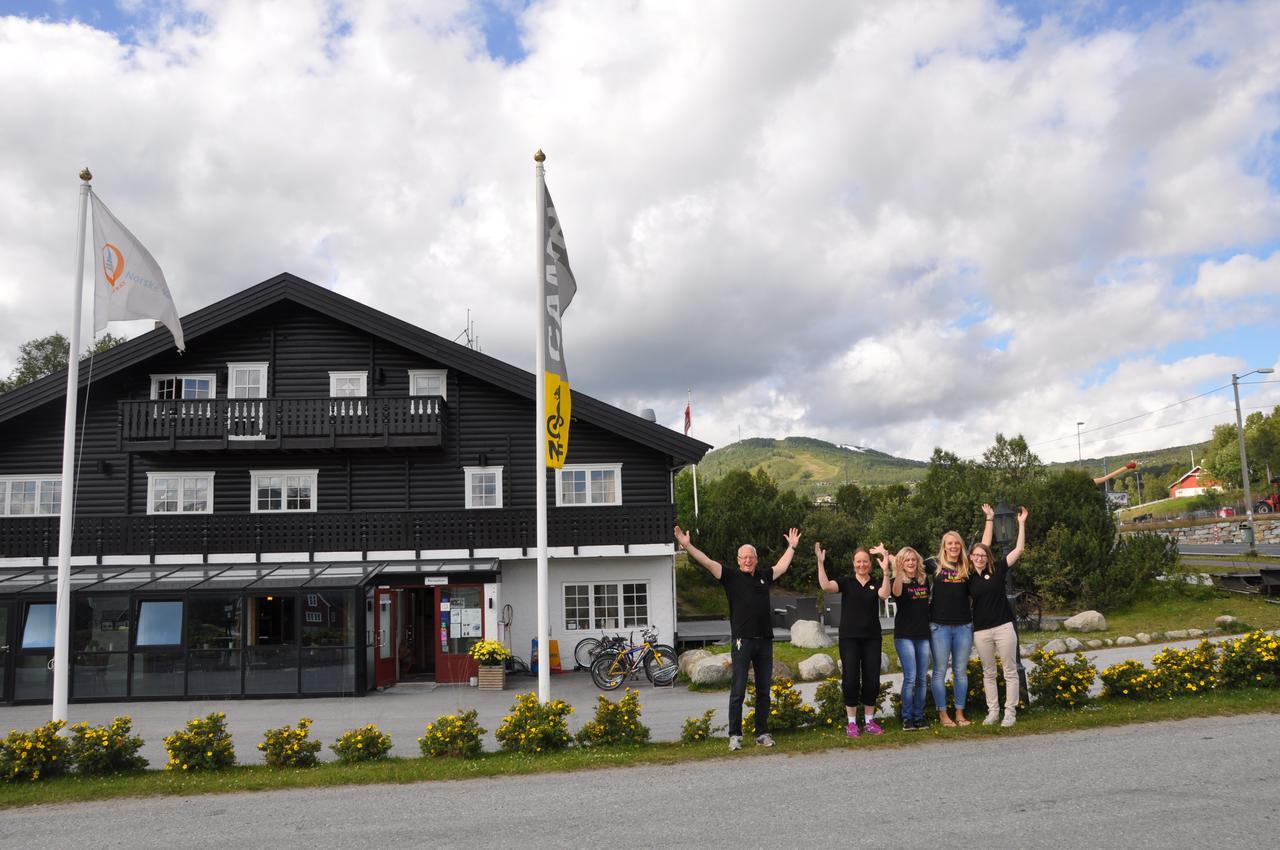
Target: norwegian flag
x=688 y=417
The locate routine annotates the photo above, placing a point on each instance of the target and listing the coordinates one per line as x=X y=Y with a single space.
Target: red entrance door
x=385 y=637
x=459 y=626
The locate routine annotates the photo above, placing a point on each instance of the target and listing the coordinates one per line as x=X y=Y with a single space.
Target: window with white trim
x=180 y=492
x=246 y=380
x=348 y=384
x=184 y=386
x=589 y=484
x=428 y=382
x=282 y=490
x=484 y=486
x=28 y=495
x=606 y=605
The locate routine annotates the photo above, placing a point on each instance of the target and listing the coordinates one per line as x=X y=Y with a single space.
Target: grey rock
x=810 y=634
x=1125 y=640
x=687 y=660
x=1143 y=637
x=1073 y=645
x=1094 y=644
x=1195 y=633
x=1224 y=620
x=1086 y=621
x=1026 y=650
x=712 y=671
x=1177 y=634
x=884 y=663
x=1057 y=646
x=817 y=666
x=1108 y=642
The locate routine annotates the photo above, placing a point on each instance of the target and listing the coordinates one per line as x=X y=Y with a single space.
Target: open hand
x=820 y=552
x=793 y=537
x=989 y=511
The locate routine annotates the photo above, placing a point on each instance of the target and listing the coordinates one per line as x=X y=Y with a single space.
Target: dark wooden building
x=316 y=498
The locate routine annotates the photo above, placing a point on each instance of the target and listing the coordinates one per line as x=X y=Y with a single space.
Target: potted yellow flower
x=491 y=656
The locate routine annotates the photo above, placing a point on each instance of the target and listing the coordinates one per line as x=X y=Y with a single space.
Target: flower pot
x=493 y=678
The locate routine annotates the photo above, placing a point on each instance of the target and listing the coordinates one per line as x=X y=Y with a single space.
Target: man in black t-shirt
x=751 y=627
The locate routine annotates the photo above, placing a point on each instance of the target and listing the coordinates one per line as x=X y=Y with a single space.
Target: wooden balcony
x=365 y=532
x=280 y=423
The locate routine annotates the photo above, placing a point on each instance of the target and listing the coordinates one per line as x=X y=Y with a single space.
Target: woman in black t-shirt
x=993 y=632
x=951 y=626
x=859 y=634
x=911 y=633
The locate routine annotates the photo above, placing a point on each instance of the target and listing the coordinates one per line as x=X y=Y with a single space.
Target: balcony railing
x=365 y=532
x=280 y=423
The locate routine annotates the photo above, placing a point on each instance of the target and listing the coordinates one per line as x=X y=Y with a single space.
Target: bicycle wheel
x=660 y=665
x=608 y=672
x=585 y=652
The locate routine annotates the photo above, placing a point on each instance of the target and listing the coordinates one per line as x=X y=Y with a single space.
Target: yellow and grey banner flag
x=558 y=289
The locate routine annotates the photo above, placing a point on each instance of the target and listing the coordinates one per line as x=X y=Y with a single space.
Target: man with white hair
x=751 y=626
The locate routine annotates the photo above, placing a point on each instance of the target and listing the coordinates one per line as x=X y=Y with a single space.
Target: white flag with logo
x=128 y=283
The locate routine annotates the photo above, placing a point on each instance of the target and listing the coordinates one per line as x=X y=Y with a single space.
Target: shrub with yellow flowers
x=534 y=726
x=787 y=710
x=615 y=722
x=489 y=653
x=697 y=729
x=205 y=744
x=1132 y=681
x=101 y=750
x=1058 y=682
x=289 y=746
x=1187 y=672
x=456 y=735
x=367 y=743
x=34 y=755
x=828 y=702
x=1251 y=661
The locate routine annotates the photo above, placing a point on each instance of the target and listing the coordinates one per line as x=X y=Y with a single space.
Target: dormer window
x=184 y=386
x=348 y=384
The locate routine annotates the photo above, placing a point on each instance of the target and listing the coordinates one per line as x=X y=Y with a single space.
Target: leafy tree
x=1013 y=468
x=48 y=354
x=744 y=507
x=1071 y=542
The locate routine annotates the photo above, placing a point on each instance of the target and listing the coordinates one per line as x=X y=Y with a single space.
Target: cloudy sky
x=899 y=225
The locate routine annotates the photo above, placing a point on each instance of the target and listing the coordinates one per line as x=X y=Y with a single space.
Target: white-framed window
x=428 y=382
x=314 y=617
x=30 y=495
x=348 y=384
x=246 y=380
x=282 y=490
x=484 y=486
x=606 y=605
x=589 y=484
x=180 y=492
x=184 y=386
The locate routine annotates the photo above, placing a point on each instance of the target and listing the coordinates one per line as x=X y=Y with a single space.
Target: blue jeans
x=951 y=644
x=913 y=654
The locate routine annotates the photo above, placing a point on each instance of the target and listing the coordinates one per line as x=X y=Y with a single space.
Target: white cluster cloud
x=903 y=224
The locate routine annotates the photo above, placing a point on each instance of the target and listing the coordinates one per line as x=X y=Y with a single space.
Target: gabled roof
x=1194 y=471
x=288 y=287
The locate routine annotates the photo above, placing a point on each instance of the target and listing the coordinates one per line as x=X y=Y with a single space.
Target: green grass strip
x=69 y=789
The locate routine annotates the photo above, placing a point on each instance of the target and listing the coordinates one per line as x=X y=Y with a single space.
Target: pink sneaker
x=873 y=728
x=852 y=729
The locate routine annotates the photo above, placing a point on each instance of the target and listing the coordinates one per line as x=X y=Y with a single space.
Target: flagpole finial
x=539 y=156
x=85 y=175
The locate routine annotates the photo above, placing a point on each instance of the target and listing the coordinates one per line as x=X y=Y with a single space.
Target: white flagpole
x=540 y=445
x=62 y=632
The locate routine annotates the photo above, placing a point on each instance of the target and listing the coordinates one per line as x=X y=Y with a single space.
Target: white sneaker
x=765 y=740
x=735 y=742
x=993 y=717
x=1010 y=718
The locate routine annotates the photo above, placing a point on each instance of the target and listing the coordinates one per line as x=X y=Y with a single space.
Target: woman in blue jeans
x=951 y=626
x=911 y=633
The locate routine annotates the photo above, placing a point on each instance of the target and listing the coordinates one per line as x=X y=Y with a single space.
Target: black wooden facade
x=389 y=465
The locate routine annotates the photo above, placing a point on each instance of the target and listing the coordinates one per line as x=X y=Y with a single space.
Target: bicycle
x=585 y=653
x=612 y=668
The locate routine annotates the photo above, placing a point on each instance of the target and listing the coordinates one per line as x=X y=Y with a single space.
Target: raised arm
x=793 y=539
x=885 y=560
x=713 y=567
x=1016 y=551
x=989 y=526
x=823 y=582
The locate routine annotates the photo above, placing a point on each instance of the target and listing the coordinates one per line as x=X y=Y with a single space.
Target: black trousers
x=756 y=653
x=860 y=678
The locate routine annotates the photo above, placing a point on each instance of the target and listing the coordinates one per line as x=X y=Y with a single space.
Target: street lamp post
x=1079 y=453
x=1004 y=530
x=1244 y=458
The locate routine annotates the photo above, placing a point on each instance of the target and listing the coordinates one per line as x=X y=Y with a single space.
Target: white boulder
x=712 y=671
x=817 y=666
x=1125 y=640
x=810 y=634
x=688 y=659
x=1057 y=646
x=1086 y=621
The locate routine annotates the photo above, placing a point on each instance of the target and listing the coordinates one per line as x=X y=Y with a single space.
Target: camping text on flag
x=128 y=283
x=558 y=289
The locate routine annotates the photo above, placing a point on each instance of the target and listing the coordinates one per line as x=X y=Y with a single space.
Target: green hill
x=814 y=467
x=811 y=467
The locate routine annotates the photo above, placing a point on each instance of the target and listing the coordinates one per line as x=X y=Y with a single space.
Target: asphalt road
x=1192 y=783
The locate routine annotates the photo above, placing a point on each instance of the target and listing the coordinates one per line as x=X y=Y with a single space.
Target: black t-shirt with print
x=859 y=608
x=912 y=619
x=950 y=605
x=990 y=604
x=749 y=610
